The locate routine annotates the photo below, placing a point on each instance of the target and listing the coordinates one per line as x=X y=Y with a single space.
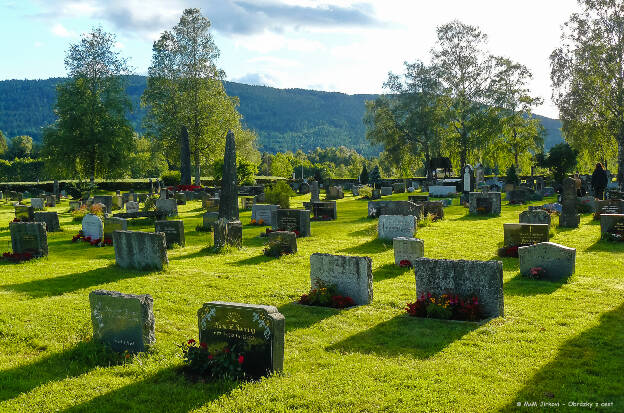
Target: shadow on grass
x=606 y=246
x=404 y=335
x=365 y=232
x=72 y=362
x=370 y=247
x=73 y=282
x=523 y=286
x=387 y=271
x=509 y=263
x=208 y=250
x=580 y=372
x=166 y=391
x=255 y=260
x=304 y=316
x=475 y=217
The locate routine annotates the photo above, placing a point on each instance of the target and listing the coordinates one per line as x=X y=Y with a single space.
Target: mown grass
x=558 y=342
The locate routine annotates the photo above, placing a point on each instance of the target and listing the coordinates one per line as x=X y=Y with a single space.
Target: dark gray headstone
x=174 y=232
x=167 y=206
x=378 y=208
x=50 y=218
x=569 y=218
x=209 y=219
x=465 y=278
x=417 y=199
x=612 y=224
x=257 y=330
x=114 y=224
x=609 y=206
x=106 y=200
x=288 y=240
x=140 y=250
x=228 y=233
x=314 y=191
x=395 y=226
x=525 y=234
x=180 y=198
x=539 y=216
x=37 y=204
x=294 y=220
x=29 y=237
x=334 y=192
x=398 y=188
x=228 y=205
x=24 y=212
x=485 y=203
x=246 y=202
x=386 y=190
x=124 y=322
x=352 y=276
x=322 y=210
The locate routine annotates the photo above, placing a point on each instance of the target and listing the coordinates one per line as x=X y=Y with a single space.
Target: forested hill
x=285 y=119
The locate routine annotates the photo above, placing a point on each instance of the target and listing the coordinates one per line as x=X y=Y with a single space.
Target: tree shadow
x=370 y=247
x=509 y=263
x=588 y=367
x=200 y=253
x=387 y=271
x=606 y=246
x=525 y=287
x=72 y=362
x=175 y=393
x=303 y=316
x=73 y=282
x=419 y=337
x=476 y=217
x=255 y=260
x=365 y=232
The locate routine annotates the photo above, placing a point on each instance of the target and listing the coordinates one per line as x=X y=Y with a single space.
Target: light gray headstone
x=407 y=249
x=173 y=230
x=538 y=216
x=37 y=203
x=124 y=322
x=386 y=190
x=132 y=206
x=140 y=250
x=395 y=226
x=557 y=260
x=169 y=206
x=51 y=220
x=264 y=212
x=92 y=227
x=525 y=234
x=352 y=276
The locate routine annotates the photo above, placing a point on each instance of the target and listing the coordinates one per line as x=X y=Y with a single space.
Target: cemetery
x=141 y=300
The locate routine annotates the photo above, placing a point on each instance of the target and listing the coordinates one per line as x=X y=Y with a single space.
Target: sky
x=340 y=45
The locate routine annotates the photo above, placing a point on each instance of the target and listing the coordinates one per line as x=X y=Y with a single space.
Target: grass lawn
x=558 y=342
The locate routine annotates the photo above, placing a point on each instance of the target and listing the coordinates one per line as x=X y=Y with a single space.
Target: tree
x=4 y=147
x=91 y=137
x=465 y=70
x=375 y=177
x=561 y=160
x=407 y=121
x=587 y=73
x=20 y=147
x=281 y=166
x=185 y=88
x=364 y=176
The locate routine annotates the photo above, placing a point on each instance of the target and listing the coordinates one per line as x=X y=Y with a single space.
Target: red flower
x=226 y=350
x=241 y=359
x=191 y=342
x=210 y=357
x=203 y=345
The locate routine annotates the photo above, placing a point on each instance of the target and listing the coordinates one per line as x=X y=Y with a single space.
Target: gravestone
x=548 y=191
x=557 y=260
x=132 y=207
x=376 y=193
x=50 y=201
x=587 y=202
x=465 y=278
x=256 y=330
x=246 y=202
x=293 y=220
x=180 y=198
x=264 y=213
x=167 y=206
x=124 y=322
x=440 y=191
x=228 y=204
x=355 y=190
x=525 y=234
x=140 y=198
x=74 y=205
x=140 y=250
x=407 y=249
x=105 y=200
x=484 y=203
x=210 y=204
x=51 y=220
x=418 y=198
x=352 y=276
x=433 y=208
x=174 y=232
x=378 y=208
x=539 y=216
x=55 y=187
x=114 y=224
x=228 y=233
x=304 y=188
x=479 y=174
x=117 y=202
x=314 y=191
x=334 y=192
x=468 y=179
x=396 y=226
x=569 y=218
x=612 y=224
x=92 y=227
x=209 y=219
x=386 y=190
x=29 y=237
x=24 y=212
x=288 y=240
x=322 y=210
x=37 y=204
x=398 y=188
x=610 y=206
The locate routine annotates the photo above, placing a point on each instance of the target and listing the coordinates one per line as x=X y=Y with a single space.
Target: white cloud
x=38 y=44
x=119 y=45
x=59 y=30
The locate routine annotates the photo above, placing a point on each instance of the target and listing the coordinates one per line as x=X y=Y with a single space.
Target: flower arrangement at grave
x=537 y=273
x=276 y=249
x=259 y=222
x=16 y=219
x=509 y=252
x=94 y=242
x=613 y=235
x=180 y=188
x=584 y=207
x=81 y=212
x=446 y=307
x=405 y=264
x=210 y=364
x=17 y=256
x=269 y=230
x=326 y=296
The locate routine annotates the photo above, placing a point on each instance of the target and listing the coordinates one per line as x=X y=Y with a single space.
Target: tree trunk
x=464 y=152
x=185 y=157
x=197 y=168
x=620 y=174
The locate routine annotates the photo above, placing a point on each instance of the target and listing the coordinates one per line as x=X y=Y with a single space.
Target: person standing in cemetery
x=599 y=181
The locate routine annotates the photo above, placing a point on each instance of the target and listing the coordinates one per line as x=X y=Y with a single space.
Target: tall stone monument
x=569 y=218
x=228 y=229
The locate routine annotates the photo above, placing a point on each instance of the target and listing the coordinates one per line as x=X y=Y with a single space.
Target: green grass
x=558 y=342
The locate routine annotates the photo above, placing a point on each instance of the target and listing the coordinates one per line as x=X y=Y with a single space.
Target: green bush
x=171 y=178
x=366 y=192
x=279 y=194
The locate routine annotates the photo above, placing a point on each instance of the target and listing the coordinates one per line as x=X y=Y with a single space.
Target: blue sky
x=341 y=45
